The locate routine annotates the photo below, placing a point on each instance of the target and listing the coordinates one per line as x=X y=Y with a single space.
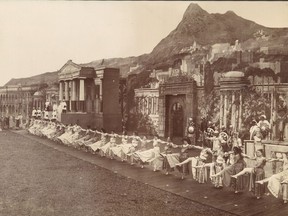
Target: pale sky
x=38 y=37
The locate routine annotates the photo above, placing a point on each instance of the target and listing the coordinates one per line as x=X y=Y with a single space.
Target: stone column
x=60 y=91
x=161 y=122
x=82 y=90
x=152 y=105
x=73 y=90
x=273 y=115
x=233 y=112
x=221 y=110
x=240 y=110
x=66 y=90
x=148 y=107
x=225 y=110
x=100 y=96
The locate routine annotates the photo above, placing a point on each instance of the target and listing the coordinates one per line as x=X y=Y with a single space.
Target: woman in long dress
x=238 y=165
x=117 y=149
x=129 y=147
x=182 y=167
x=150 y=154
x=216 y=166
x=170 y=157
x=275 y=181
x=106 y=149
x=143 y=147
x=257 y=173
x=199 y=171
x=98 y=144
x=156 y=159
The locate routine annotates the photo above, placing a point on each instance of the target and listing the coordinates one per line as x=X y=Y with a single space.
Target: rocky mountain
x=196 y=25
x=207 y=29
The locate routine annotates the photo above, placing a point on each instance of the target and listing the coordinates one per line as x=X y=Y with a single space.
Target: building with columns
x=147 y=98
x=232 y=84
x=91 y=95
x=16 y=101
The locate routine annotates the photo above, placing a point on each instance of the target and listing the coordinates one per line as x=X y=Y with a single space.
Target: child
x=215 y=167
x=238 y=165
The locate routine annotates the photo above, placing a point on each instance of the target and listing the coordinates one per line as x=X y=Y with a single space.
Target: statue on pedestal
x=281 y=117
x=191 y=130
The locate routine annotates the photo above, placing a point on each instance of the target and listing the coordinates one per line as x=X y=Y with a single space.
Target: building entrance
x=177 y=123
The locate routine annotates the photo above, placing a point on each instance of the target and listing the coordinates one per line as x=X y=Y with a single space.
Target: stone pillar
x=73 y=90
x=152 y=105
x=161 y=122
x=82 y=90
x=100 y=96
x=233 y=111
x=221 y=110
x=60 y=91
x=225 y=110
x=157 y=105
x=273 y=115
x=66 y=93
x=240 y=111
x=148 y=107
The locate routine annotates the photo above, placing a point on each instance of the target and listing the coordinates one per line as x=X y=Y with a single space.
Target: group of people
x=44 y=114
x=221 y=159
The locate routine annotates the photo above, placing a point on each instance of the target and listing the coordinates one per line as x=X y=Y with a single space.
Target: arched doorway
x=177 y=114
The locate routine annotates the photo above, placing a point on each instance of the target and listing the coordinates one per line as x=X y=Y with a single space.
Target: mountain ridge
x=196 y=25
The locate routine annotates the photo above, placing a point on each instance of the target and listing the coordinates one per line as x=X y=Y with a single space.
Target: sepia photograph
x=143 y=108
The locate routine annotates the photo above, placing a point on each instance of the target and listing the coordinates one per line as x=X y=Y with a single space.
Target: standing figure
x=238 y=165
x=216 y=166
x=191 y=130
x=38 y=114
x=276 y=181
x=184 y=167
x=34 y=113
x=257 y=173
x=264 y=126
x=282 y=117
x=64 y=106
x=170 y=157
x=253 y=129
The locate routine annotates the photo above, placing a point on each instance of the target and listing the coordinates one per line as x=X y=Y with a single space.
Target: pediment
x=70 y=67
x=69 y=71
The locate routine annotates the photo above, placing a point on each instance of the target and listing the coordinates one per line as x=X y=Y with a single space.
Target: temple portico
x=91 y=95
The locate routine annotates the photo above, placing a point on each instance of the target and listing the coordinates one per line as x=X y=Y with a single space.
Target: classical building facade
x=16 y=101
x=179 y=97
x=91 y=95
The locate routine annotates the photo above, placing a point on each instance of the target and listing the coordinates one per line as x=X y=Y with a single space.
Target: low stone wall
x=269 y=147
x=93 y=121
